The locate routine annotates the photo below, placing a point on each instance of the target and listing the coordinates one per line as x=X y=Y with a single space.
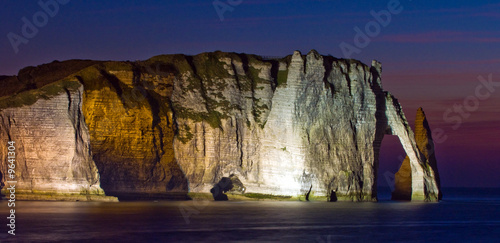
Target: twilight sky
x=434 y=54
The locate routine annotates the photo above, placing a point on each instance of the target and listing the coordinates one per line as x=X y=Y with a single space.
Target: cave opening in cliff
x=391 y=156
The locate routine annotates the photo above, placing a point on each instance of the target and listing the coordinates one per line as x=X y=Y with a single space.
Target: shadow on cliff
x=132 y=176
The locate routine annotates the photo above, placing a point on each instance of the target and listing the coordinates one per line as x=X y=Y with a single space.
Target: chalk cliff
x=425 y=144
x=177 y=123
x=52 y=144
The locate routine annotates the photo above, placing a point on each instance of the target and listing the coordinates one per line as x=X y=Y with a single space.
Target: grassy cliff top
x=29 y=97
x=30 y=77
x=203 y=65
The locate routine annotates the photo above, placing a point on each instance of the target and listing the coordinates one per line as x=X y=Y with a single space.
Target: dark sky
x=433 y=53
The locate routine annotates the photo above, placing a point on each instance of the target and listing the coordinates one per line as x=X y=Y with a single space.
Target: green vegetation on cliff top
x=30 y=78
x=207 y=76
x=46 y=92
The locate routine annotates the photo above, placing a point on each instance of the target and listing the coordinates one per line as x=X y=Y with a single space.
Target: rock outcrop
x=52 y=144
x=301 y=124
x=425 y=144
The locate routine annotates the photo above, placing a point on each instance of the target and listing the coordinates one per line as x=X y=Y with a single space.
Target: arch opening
x=391 y=157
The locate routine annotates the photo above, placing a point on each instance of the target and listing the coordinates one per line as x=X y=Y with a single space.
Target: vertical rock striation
x=321 y=126
x=53 y=154
x=220 y=117
x=131 y=128
x=301 y=125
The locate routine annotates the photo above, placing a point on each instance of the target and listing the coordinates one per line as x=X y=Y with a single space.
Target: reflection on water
x=450 y=220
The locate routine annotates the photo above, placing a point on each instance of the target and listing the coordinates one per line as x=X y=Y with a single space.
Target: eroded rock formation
x=178 y=123
x=425 y=144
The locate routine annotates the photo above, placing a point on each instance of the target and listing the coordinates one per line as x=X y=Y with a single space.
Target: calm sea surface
x=465 y=215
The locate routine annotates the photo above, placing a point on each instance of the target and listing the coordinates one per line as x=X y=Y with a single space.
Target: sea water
x=464 y=215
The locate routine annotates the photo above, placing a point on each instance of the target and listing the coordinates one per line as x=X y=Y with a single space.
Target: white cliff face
x=280 y=127
x=52 y=146
x=321 y=129
x=232 y=146
x=337 y=116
